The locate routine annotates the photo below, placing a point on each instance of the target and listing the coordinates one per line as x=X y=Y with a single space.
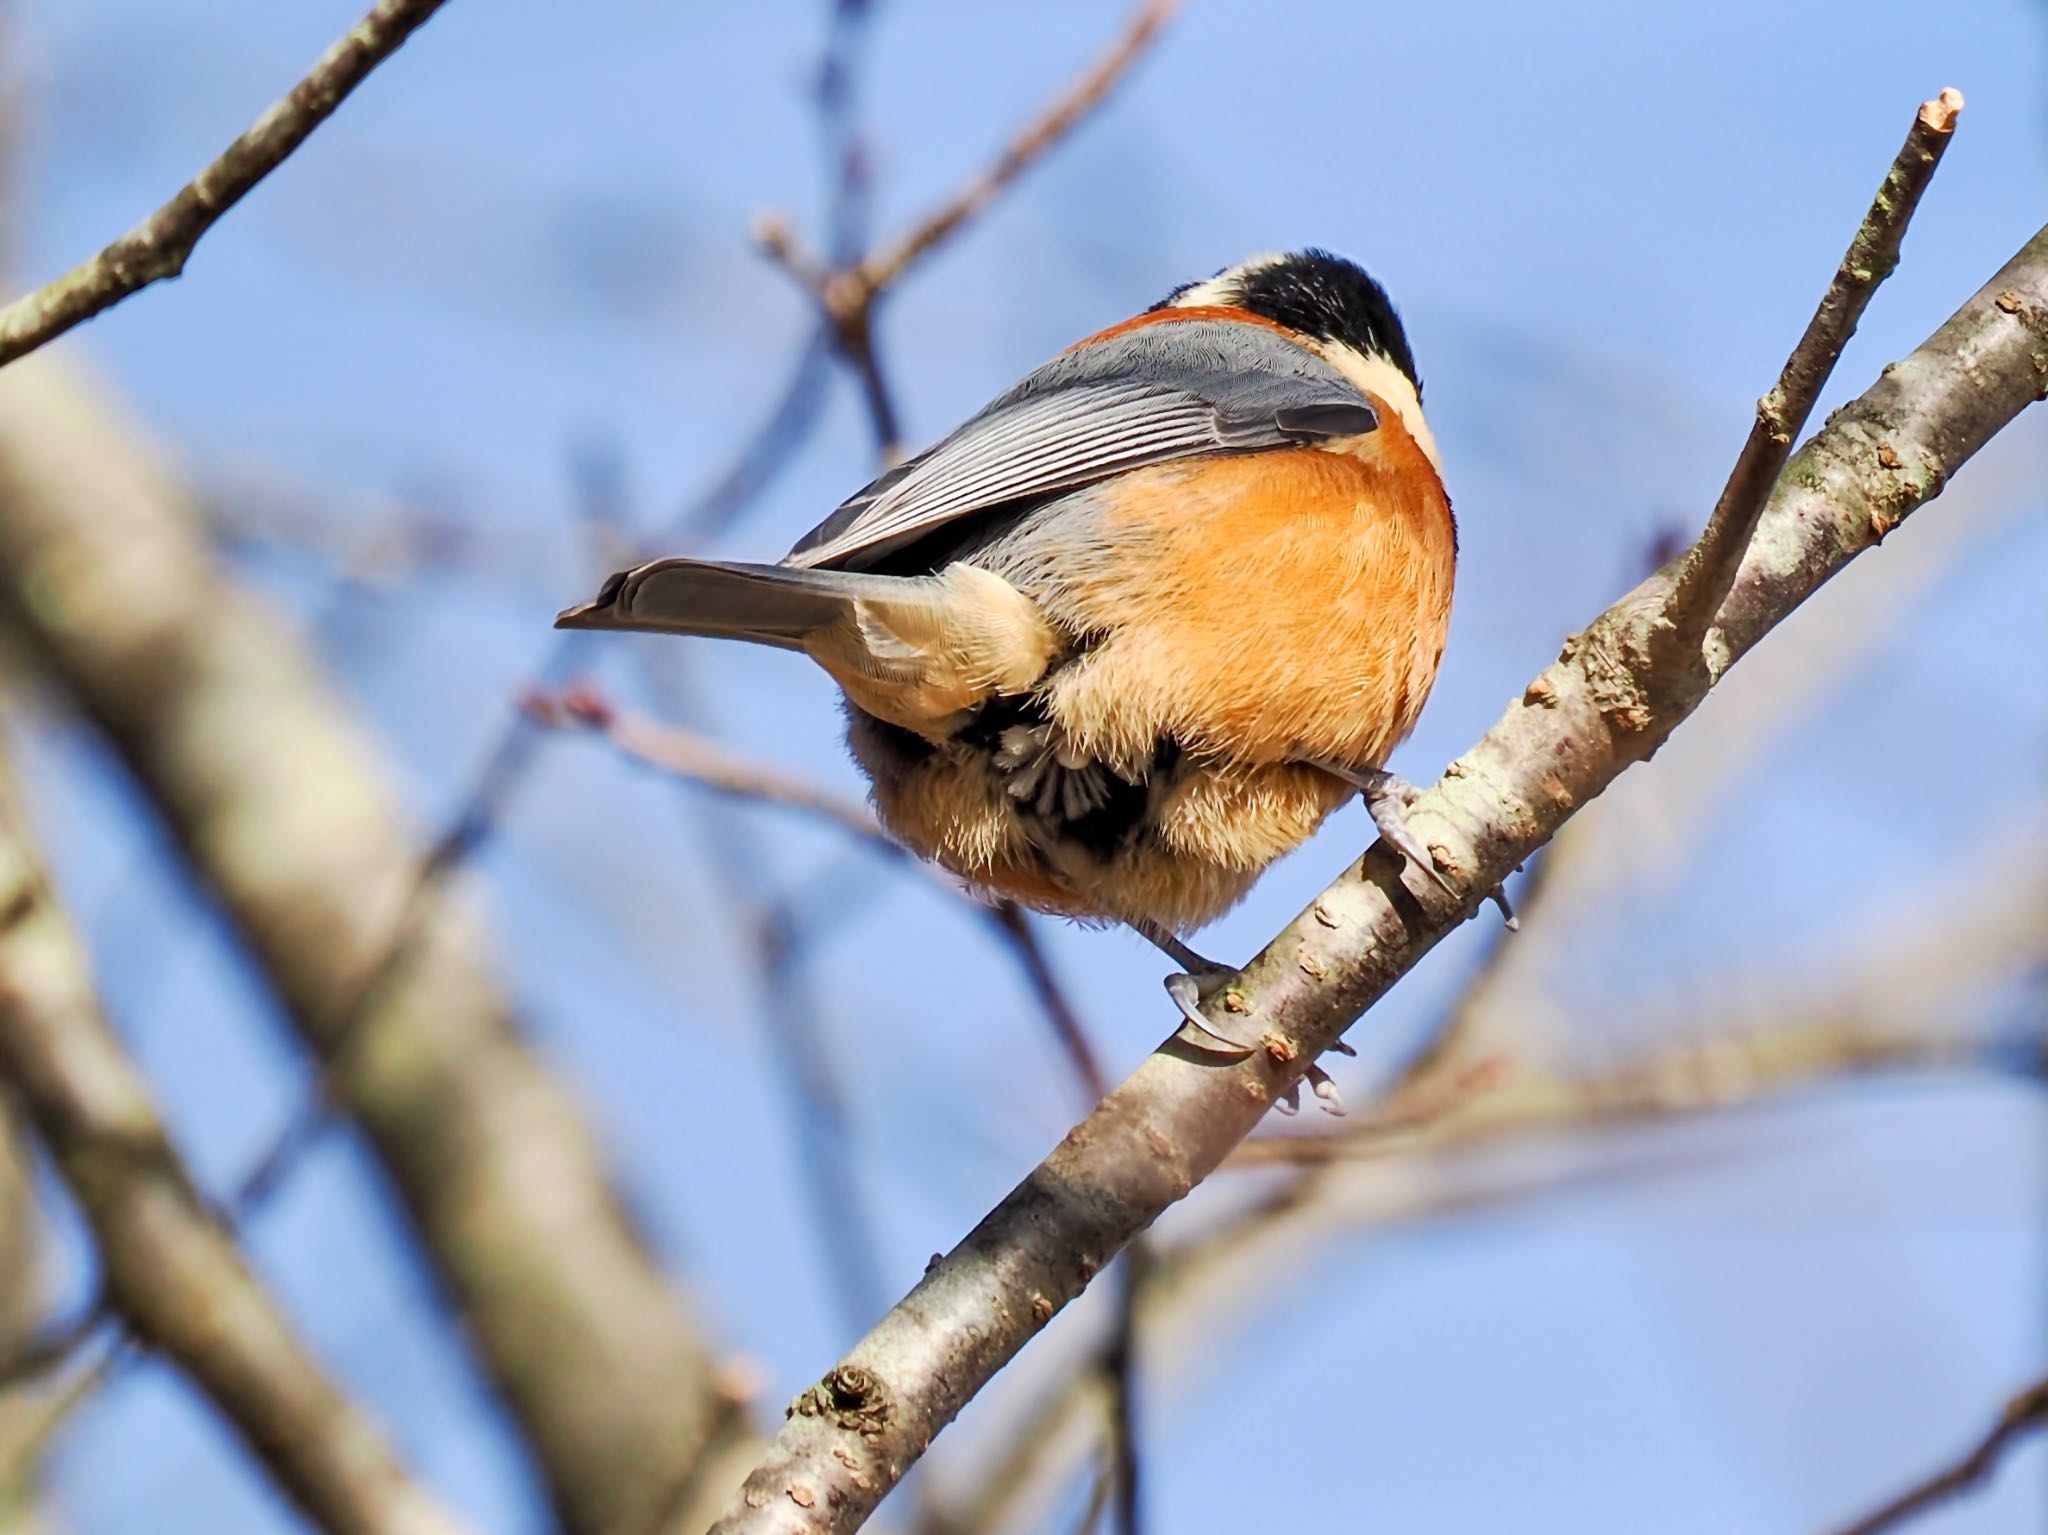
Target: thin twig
x=767 y=452
x=481 y=809
x=690 y=755
x=159 y=246
x=1354 y=1182
x=1596 y=711
x=846 y=290
x=48 y=1348
x=882 y=269
x=776 y=930
x=2024 y=1414
x=1708 y=568
x=1120 y=1368
x=1014 y=923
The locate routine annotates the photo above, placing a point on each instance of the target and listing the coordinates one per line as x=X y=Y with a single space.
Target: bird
x=1135 y=629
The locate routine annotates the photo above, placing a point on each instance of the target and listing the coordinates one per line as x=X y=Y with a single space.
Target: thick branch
x=1709 y=567
x=1577 y=727
x=170 y=1267
x=158 y=247
x=280 y=805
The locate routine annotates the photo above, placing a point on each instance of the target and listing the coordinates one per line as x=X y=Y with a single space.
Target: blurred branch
x=1708 y=569
x=159 y=246
x=883 y=268
x=21 y=1298
x=36 y=1353
x=1603 y=706
x=697 y=759
x=278 y=802
x=846 y=293
x=171 y=1268
x=32 y=1416
x=765 y=454
x=689 y=755
x=2025 y=1414
x=1398 y=1166
x=1015 y=925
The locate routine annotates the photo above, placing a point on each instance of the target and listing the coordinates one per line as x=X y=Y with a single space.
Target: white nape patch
x=1221 y=290
x=1377 y=376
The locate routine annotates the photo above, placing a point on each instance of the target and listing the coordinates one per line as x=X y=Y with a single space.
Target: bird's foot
x=1387 y=797
x=1199 y=982
x=1319 y=1083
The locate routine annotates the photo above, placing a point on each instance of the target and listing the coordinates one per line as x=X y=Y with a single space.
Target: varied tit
x=1133 y=631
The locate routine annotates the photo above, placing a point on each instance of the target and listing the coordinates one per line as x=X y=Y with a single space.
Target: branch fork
x=1602 y=706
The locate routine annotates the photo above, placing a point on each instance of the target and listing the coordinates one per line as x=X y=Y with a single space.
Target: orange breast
x=1288 y=605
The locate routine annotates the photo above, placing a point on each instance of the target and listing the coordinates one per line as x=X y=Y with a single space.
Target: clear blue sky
x=1605 y=224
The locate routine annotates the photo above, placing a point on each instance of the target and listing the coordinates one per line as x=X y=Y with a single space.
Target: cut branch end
x=1941 y=113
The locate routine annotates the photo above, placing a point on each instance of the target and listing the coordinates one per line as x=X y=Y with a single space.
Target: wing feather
x=1153 y=395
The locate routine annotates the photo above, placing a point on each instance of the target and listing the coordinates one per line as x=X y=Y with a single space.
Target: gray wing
x=1173 y=390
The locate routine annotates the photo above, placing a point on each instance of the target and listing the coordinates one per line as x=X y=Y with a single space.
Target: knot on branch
x=850 y=1398
x=1642 y=671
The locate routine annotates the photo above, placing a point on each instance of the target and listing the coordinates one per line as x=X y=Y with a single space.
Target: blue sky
x=1605 y=224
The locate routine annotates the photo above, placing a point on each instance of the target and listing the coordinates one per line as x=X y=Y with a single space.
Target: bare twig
x=1120 y=1368
x=1014 y=923
x=881 y=269
x=2026 y=1413
x=768 y=450
x=31 y=1419
x=159 y=246
x=689 y=755
x=701 y=760
x=171 y=1268
x=846 y=290
x=1385 y=1173
x=43 y=1351
x=772 y=927
x=1708 y=568
x=1600 y=708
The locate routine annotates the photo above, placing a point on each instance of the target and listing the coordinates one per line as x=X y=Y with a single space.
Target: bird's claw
x=1289 y=1102
x=1499 y=896
x=1190 y=989
x=1387 y=797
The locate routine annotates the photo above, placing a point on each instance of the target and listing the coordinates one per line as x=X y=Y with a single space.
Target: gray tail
x=766 y=604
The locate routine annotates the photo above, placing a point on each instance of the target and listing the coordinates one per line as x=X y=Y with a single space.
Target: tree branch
x=277 y=800
x=1386 y=1174
x=171 y=1268
x=1601 y=707
x=703 y=761
x=1709 y=566
x=882 y=269
x=2024 y=1414
x=846 y=294
x=159 y=246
